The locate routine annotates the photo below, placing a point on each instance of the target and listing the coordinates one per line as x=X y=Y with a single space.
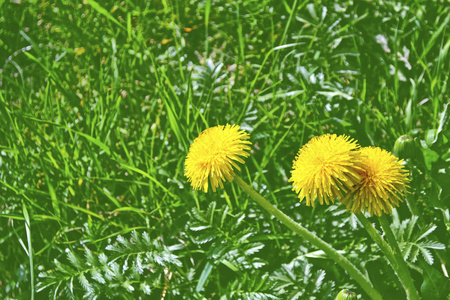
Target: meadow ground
x=100 y=101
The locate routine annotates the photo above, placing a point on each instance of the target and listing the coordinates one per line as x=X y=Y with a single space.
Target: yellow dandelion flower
x=383 y=183
x=213 y=154
x=325 y=168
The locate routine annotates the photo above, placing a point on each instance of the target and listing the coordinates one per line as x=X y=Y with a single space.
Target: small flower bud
x=346 y=294
x=405 y=147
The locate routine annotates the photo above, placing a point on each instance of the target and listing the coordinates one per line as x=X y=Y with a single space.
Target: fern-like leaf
x=135 y=267
x=413 y=241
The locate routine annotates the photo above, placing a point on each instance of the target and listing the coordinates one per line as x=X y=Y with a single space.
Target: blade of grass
x=30 y=247
x=431 y=42
x=51 y=191
x=207 y=12
x=104 y=12
x=133 y=169
x=255 y=80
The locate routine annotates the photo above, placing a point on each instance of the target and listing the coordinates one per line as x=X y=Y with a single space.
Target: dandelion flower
x=383 y=183
x=326 y=167
x=213 y=154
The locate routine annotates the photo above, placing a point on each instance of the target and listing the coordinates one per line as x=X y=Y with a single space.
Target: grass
x=100 y=101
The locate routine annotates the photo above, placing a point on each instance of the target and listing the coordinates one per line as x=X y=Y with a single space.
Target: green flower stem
x=312 y=238
x=376 y=237
x=402 y=269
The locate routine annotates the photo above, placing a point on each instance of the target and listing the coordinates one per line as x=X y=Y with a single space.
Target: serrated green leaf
x=85 y=283
x=75 y=260
x=97 y=276
x=254 y=248
x=426 y=254
x=426 y=231
x=409 y=227
x=200 y=228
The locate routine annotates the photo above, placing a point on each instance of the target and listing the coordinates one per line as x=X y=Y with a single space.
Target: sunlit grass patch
x=100 y=101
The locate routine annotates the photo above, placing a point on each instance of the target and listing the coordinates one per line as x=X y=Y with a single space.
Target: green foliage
x=299 y=280
x=435 y=284
x=413 y=242
x=134 y=269
x=250 y=287
x=228 y=240
x=100 y=100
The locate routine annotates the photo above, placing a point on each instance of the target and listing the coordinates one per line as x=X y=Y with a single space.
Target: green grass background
x=100 y=101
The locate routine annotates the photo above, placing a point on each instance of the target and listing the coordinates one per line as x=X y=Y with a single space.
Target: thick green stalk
x=402 y=267
x=376 y=237
x=312 y=238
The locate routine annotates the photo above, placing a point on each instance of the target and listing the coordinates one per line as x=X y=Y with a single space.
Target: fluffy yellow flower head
x=326 y=167
x=383 y=182
x=213 y=154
